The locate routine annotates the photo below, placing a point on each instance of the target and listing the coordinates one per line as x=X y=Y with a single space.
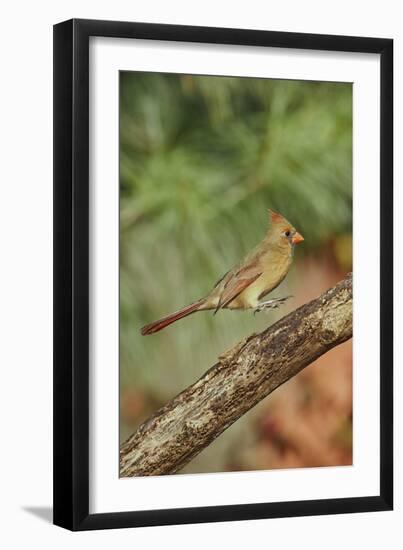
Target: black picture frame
x=71 y=274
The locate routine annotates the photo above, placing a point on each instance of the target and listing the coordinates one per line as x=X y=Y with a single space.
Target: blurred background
x=201 y=161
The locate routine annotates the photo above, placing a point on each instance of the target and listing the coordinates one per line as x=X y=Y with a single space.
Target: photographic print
x=235 y=211
x=204 y=251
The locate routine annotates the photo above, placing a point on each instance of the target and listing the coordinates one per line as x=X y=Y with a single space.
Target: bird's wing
x=240 y=280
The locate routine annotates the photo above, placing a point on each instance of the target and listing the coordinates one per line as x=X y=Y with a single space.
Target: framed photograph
x=216 y=193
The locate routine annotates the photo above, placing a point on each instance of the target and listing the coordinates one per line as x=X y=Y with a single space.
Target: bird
x=244 y=286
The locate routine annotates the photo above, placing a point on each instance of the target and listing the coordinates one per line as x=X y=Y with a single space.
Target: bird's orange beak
x=297 y=238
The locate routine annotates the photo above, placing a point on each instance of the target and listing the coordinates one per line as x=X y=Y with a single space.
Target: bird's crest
x=276 y=218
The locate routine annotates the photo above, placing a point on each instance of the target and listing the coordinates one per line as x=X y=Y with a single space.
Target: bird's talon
x=271 y=304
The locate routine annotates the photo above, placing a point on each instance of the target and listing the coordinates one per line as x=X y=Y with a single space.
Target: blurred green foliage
x=201 y=160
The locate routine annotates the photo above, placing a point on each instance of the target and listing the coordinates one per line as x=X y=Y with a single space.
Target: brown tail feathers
x=165 y=321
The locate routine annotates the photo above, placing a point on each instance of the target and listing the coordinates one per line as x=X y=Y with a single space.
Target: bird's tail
x=165 y=321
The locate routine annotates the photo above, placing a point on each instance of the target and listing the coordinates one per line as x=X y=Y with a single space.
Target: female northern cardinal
x=256 y=275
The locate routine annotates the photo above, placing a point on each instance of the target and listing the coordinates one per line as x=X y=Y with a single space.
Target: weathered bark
x=242 y=377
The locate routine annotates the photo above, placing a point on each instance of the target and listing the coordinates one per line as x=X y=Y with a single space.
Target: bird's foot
x=271 y=304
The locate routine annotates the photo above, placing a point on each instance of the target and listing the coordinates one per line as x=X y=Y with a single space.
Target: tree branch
x=242 y=377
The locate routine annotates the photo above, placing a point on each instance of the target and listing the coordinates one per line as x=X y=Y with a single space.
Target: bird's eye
x=287 y=233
